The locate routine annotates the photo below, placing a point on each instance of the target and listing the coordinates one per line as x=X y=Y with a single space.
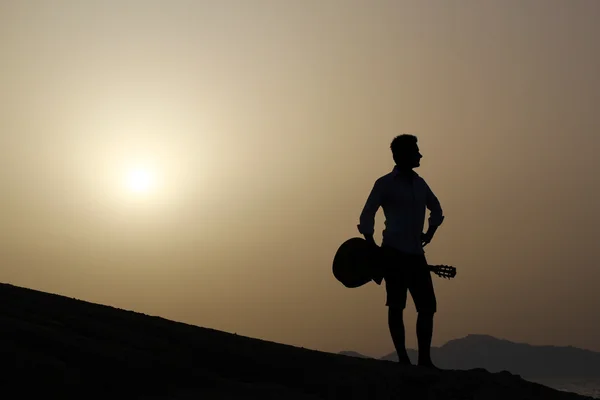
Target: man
x=404 y=195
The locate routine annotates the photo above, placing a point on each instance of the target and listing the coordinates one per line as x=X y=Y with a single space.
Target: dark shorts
x=405 y=272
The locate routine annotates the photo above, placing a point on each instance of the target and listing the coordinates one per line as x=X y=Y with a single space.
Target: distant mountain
x=494 y=355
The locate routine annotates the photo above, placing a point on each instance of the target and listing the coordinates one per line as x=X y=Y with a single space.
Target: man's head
x=406 y=151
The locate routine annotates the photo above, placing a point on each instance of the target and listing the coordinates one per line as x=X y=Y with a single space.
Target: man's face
x=412 y=157
x=416 y=157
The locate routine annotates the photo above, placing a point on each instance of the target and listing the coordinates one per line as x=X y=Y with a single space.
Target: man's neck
x=404 y=174
x=403 y=170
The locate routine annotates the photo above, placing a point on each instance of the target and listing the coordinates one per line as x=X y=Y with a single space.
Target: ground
x=66 y=348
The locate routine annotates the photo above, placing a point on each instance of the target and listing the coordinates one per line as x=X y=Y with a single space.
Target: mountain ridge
x=496 y=354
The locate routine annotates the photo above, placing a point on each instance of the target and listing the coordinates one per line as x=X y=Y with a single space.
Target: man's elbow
x=366 y=227
x=436 y=218
x=366 y=224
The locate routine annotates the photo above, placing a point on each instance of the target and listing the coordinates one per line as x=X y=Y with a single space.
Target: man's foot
x=429 y=365
x=404 y=361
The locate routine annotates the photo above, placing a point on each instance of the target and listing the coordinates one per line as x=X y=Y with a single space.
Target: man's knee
x=395 y=315
x=426 y=314
x=394 y=311
x=426 y=303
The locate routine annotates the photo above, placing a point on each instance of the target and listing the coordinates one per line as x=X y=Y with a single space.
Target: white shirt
x=403 y=200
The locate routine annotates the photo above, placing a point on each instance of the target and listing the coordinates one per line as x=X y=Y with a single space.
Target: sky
x=257 y=129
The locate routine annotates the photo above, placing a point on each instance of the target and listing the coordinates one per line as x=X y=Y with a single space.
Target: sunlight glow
x=140 y=180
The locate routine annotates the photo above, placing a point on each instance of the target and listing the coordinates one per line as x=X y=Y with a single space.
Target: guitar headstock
x=444 y=271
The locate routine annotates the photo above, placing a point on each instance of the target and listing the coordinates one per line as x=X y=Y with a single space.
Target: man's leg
x=424 y=335
x=421 y=290
x=396 y=292
x=396 y=324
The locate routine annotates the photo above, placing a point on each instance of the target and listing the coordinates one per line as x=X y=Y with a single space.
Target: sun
x=140 y=180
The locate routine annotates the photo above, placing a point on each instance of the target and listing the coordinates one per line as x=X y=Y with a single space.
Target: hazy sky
x=262 y=126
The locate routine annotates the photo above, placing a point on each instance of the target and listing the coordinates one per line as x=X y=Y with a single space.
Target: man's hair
x=401 y=143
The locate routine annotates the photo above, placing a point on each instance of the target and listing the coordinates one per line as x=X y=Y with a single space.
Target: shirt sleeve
x=367 y=217
x=436 y=215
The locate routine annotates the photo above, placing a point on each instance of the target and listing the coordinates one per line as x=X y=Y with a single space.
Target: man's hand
x=426 y=238
x=370 y=240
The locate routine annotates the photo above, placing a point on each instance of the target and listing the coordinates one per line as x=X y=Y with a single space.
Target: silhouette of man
x=404 y=195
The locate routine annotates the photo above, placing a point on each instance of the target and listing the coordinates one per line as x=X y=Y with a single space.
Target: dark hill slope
x=60 y=347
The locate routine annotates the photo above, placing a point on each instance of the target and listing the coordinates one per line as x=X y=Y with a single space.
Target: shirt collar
x=396 y=172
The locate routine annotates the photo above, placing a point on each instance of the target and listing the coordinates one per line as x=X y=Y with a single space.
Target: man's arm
x=436 y=215
x=367 y=217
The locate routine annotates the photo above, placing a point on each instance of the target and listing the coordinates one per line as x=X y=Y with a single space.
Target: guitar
x=443 y=271
x=356 y=263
